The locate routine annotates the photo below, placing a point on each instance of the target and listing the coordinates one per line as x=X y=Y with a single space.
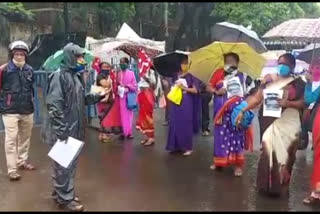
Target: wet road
x=125 y=176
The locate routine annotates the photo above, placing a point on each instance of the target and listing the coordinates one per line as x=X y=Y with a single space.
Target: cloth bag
x=132 y=100
x=175 y=95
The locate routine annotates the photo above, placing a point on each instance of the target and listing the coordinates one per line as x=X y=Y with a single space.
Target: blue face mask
x=284 y=70
x=79 y=68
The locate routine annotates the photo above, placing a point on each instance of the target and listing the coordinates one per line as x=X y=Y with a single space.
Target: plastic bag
x=175 y=95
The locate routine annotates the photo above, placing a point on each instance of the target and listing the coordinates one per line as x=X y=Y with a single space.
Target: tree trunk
x=182 y=27
x=166 y=19
x=187 y=20
x=205 y=23
x=66 y=17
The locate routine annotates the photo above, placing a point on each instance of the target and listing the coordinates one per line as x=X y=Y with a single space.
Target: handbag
x=162 y=102
x=175 y=95
x=132 y=100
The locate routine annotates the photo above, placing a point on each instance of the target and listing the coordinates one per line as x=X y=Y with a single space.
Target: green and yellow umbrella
x=205 y=61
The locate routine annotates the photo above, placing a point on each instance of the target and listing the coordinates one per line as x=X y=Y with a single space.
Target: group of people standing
x=233 y=133
x=66 y=100
x=115 y=115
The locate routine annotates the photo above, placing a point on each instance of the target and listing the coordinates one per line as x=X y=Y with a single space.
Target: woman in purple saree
x=184 y=118
x=229 y=143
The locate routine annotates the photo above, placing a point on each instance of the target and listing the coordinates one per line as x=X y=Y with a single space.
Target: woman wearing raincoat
x=278 y=144
x=312 y=100
x=229 y=143
x=184 y=118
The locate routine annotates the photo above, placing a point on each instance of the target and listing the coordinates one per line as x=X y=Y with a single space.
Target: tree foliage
x=15 y=9
x=111 y=14
x=264 y=16
x=191 y=21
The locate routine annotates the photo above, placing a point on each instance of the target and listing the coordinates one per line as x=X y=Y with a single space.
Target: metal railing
x=40 y=86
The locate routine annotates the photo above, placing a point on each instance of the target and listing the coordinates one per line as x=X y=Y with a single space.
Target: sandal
x=54 y=196
x=311 y=200
x=27 y=166
x=213 y=167
x=106 y=139
x=130 y=137
x=187 y=153
x=14 y=176
x=149 y=143
x=143 y=142
x=238 y=172
x=100 y=137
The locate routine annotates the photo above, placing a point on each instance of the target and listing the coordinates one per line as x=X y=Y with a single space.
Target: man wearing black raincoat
x=66 y=100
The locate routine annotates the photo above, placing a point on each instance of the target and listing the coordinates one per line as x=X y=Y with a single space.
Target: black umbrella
x=168 y=64
x=228 y=32
x=310 y=52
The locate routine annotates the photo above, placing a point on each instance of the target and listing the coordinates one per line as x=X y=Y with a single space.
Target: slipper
x=311 y=200
x=143 y=142
x=238 y=172
x=130 y=137
x=13 y=176
x=148 y=143
x=27 y=166
x=187 y=153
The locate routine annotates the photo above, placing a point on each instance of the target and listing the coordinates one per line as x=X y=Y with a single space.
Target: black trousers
x=63 y=182
x=205 y=115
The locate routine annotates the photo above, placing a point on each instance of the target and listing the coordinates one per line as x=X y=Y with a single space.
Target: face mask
x=79 y=68
x=123 y=67
x=19 y=64
x=229 y=68
x=184 y=68
x=105 y=72
x=284 y=70
x=81 y=65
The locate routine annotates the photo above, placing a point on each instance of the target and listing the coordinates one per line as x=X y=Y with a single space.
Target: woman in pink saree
x=126 y=81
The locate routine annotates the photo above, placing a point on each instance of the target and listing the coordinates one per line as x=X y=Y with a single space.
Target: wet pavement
x=125 y=176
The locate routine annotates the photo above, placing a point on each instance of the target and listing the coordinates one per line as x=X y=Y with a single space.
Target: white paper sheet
x=64 y=153
x=96 y=89
x=315 y=85
x=233 y=87
x=121 y=91
x=183 y=82
x=271 y=108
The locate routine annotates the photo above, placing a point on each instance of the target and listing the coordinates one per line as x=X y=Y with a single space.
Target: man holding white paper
x=66 y=100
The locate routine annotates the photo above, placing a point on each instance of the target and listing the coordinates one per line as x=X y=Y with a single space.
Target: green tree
x=110 y=14
x=262 y=16
x=311 y=9
x=15 y=10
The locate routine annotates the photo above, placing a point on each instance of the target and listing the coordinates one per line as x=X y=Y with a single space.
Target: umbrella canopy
x=312 y=50
x=228 y=32
x=54 y=61
x=169 y=63
x=301 y=30
x=205 y=61
x=133 y=49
